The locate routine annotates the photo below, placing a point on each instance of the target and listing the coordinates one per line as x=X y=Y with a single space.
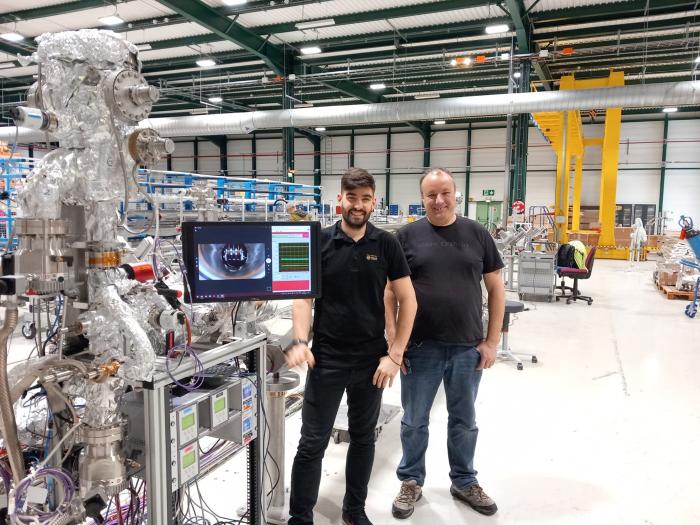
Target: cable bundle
x=41 y=517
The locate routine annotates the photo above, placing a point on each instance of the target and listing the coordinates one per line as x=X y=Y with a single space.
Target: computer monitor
x=243 y=261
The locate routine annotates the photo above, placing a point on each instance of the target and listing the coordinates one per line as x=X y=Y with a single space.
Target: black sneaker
x=405 y=502
x=358 y=517
x=476 y=498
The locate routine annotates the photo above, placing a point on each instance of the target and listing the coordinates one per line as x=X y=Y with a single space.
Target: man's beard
x=352 y=221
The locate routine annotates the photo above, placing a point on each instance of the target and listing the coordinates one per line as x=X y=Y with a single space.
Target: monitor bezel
x=188 y=256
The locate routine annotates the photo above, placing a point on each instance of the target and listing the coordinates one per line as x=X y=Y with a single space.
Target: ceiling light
x=505 y=56
x=235 y=2
x=12 y=37
x=215 y=100
x=427 y=96
x=378 y=87
x=206 y=62
x=497 y=28
x=6 y=65
x=697 y=60
x=315 y=24
x=143 y=47
x=320 y=129
x=310 y=50
x=461 y=61
x=439 y=122
x=670 y=110
x=199 y=111
x=516 y=74
x=111 y=20
x=304 y=105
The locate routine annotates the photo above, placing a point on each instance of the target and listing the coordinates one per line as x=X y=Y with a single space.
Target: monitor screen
x=234 y=261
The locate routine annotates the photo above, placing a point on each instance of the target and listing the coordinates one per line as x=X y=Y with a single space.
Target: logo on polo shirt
x=372 y=257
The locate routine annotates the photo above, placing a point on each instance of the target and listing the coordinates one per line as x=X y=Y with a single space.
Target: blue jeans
x=428 y=364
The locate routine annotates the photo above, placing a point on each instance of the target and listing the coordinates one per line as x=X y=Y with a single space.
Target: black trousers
x=324 y=391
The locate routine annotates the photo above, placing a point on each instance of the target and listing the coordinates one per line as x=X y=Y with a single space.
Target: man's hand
x=488 y=354
x=298 y=355
x=397 y=357
x=386 y=372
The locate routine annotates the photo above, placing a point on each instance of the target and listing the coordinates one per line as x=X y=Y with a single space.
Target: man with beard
x=349 y=353
x=448 y=256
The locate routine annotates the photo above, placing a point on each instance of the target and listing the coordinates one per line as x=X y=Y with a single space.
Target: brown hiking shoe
x=404 y=503
x=476 y=498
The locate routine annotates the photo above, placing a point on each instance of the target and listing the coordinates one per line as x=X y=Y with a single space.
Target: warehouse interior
x=134 y=129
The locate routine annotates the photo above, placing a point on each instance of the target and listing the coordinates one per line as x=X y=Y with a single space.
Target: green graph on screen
x=294 y=257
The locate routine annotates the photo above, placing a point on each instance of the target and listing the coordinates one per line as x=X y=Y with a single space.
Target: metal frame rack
x=157 y=408
x=12 y=169
x=236 y=197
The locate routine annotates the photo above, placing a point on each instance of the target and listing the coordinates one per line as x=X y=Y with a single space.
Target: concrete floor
x=605 y=429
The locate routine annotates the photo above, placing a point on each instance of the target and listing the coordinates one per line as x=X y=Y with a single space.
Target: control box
x=187 y=425
x=188 y=460
x=228 y=411
x=242 y=426
x=215 y=409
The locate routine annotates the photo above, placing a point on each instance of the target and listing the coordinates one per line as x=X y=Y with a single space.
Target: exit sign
x=488 y=193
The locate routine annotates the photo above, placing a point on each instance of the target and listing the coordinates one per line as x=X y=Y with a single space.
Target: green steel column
x=662 y=181
x=317 y=164
x=426 y=146
x=223 y=155
x=468 y=170
x=352 y=147
x=195 y=153
x=169 y=162
x=288 y=134
x=520 y=141
x=387 y=169
x=254 y=157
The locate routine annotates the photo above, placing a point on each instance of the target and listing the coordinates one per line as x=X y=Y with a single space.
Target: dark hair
x=435 y=171
x=354 y=178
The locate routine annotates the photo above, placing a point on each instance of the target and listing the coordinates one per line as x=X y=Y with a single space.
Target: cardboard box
x=667 y=278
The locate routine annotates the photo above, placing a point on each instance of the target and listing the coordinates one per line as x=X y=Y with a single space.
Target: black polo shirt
x=349 y=317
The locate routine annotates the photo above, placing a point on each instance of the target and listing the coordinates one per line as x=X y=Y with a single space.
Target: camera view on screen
x=231 y=261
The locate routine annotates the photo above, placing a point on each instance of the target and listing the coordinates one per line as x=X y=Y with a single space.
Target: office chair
x=576 y=274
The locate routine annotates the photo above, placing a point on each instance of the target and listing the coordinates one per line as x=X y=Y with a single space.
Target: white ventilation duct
x=654 y=95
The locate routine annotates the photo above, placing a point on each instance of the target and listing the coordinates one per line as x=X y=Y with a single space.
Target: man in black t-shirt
x=448 y=257
x=349 y=349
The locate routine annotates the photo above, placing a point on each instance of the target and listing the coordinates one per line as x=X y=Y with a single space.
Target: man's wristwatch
x=298 y=342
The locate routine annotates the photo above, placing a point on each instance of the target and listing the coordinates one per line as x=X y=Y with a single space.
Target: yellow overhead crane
x=564 y=132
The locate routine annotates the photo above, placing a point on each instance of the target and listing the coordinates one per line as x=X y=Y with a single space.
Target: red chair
x=576 y=274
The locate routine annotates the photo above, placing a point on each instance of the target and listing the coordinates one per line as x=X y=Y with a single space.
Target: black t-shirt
x=349 y=317
x=447 y=264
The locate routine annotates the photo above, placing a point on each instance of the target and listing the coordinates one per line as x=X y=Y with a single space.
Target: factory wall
x=640 y=155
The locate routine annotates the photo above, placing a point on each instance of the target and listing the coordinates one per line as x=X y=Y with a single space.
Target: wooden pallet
x=673 y=293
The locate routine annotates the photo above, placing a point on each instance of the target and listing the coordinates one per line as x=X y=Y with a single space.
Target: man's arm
x=300 y=352
x=497 y=307
x=406 y=297
x=390 y=311
x=402 y=290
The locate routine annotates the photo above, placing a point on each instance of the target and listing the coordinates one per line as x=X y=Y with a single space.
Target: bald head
x=438 y=190
x=439 y=173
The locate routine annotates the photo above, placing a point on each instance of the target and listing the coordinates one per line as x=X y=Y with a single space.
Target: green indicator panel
x=220 y=405
x=189 y=459
x=187 y=421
